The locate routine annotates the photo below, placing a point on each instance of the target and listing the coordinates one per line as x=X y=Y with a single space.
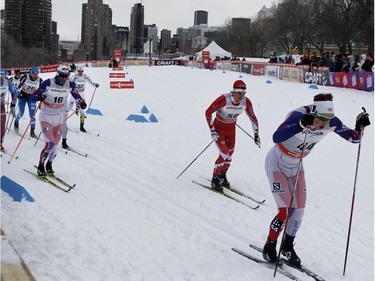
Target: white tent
x=215 y=51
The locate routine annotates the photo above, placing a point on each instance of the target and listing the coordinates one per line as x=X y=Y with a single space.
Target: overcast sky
x=166 y=14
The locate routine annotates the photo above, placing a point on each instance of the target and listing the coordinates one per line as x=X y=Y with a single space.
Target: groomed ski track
x=129 y=214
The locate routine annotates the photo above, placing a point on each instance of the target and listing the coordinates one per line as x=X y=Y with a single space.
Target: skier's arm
x=215 y=106
x=250 y=113
x=288 y=128
x=343 y=131
x=88 y=79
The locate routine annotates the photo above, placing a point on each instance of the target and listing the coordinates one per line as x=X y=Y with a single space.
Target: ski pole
x=19 y=143
x=291 y=203
x=195 y=158
x=37 y=139
x=353 y=197
x=92 y=97
x=246 y=132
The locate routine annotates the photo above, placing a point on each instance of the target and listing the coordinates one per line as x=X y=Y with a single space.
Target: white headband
x=324 y=107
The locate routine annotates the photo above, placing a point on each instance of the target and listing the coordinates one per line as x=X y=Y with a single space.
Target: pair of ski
x=75 y=151
x=227 y=194
x=280 y=268
x=53 y=180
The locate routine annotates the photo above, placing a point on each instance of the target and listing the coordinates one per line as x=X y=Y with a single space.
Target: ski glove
x=96 y=85
x=362 y=121
x=214 y=135
x=257 y=139
x=12 y=104
x=307 y=120
x=83 y=104
x=19 y=94
x=41 y=97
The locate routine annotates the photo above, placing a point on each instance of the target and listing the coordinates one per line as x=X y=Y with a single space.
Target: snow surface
x=129 y=218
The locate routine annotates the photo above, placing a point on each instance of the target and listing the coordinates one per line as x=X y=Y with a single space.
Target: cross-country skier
x=284 y=165
x=28 y=84
x=80 y=79
x=16 y=79
x=223 y=129
x=53 y=94
x=5 y=87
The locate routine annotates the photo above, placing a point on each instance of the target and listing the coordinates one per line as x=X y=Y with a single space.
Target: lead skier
x=284 y=166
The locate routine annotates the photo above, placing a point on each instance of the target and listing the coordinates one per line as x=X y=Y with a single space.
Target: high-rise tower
x=200 y=17
x=136 y=36
x=96 y=30
x=29 y=22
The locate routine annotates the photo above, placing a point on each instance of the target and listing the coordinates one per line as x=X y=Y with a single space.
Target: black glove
x=83 y=104
x=12 y=104
x=41 y=97
x=362 y=121
x=307 y=120
x=257 y=139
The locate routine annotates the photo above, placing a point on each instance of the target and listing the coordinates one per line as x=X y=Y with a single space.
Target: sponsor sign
x=318 y=78
x=290 y=73
x=49 y=68
x=258 y=69
x=206 y=59
x=246 y=67
x=121 y=84
x=167 y=62
x=120 y=68
x=273 y=71
x=116 y=75
x=117 y=54
x=365 y=80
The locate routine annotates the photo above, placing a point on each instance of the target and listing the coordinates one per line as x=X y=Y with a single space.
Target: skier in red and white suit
x=53 y=94
x=223 y=129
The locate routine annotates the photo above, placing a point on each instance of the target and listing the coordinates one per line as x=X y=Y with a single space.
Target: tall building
x=241 y=24
x=136 y=35
x=200 y=17
x=165 y=38
x=29 y=22
x=151 y=33
x=96 y=31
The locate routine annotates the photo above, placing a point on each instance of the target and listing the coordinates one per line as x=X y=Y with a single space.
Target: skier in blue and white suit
x=284 y=166
x=28 y=84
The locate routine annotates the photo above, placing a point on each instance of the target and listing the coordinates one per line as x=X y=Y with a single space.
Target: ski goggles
x=324 y=117
x=239 y=91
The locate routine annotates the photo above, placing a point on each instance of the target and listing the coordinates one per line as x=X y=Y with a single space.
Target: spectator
x=273 y=58
x=360 y=63
x=369 y=62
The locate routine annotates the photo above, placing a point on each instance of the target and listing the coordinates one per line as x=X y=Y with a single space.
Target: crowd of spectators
x=335 y=62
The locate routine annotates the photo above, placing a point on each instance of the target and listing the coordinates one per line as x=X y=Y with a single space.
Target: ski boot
x=64 y=144
x=32 y=133
x=216 y=183
x=16 y=125
x=81 y=128
x=49 y=169
x=225 y=183
x=40 y=170
x=287 y=250
x=269 y=251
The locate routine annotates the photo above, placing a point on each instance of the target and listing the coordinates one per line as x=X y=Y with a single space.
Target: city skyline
x=170 y=15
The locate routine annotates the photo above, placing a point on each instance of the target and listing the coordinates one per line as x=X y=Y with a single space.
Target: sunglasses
x=239 y=91
x=323 y=117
